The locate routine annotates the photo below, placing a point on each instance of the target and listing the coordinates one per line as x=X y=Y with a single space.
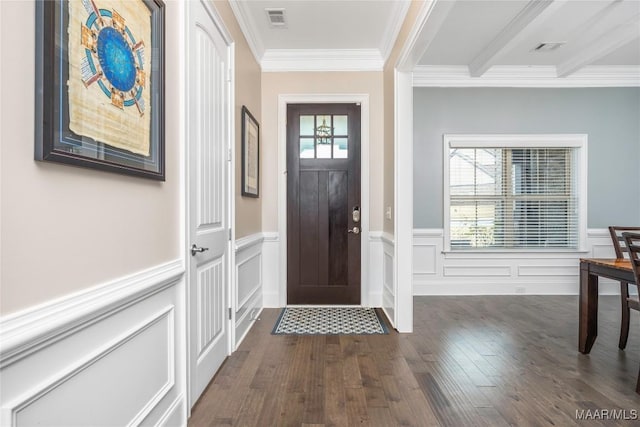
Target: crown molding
x=247 y=26
x=525 y=76
x=398 y=15
x=281 y=60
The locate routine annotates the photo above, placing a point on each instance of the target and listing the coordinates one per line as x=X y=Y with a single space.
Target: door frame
x=413 y=49
x=185 y=174
x=283 y=101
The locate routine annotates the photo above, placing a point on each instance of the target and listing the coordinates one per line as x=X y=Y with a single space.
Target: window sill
x=528 y=253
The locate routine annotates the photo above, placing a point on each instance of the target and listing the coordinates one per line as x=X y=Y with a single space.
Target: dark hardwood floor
x=471 y=361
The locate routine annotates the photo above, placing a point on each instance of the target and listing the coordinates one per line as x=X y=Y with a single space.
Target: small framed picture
x=100 y=85
x=250 y=154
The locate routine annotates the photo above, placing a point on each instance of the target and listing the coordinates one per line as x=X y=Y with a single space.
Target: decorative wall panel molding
x=424 y=256
x=105 y=368
x=477 y=270
x=376 y=271
x=465 y=273
x=271 y=280
x=31 y=328
x=248 y=298
x=547 y=270
x=124 y=340
x=388 y=291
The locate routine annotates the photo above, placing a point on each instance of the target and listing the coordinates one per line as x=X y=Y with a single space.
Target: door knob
x=195 y=249
x=355 y=230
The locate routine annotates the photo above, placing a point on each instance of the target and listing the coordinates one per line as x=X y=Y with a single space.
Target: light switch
x=388 y=212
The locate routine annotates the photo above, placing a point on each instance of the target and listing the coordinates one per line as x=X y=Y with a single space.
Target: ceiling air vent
x=548 y=46
x=276 y=18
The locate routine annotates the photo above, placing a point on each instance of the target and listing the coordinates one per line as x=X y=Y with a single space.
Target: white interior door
x=208 y=112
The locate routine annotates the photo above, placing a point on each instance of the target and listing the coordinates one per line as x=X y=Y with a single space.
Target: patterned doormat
x=329 y=321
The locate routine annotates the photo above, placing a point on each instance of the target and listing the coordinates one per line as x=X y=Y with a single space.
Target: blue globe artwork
x=116 y=59
x=113 y=59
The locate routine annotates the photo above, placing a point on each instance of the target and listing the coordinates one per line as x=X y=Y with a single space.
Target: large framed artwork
x=100 y=85
x=250 y=154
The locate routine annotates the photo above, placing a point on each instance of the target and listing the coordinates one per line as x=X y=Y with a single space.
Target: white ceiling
x=369 y=26
x=322 y=24
x=482 y=34
x=476 y=37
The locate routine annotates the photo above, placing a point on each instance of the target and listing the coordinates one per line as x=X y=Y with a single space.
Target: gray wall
x=610 y=117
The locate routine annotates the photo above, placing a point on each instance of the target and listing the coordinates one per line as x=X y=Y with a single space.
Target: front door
x=323 y=204
x=208 y=235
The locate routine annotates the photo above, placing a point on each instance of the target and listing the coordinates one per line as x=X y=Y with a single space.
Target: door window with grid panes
x=324 y=137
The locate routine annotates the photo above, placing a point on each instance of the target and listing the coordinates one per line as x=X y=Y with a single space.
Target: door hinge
x=228 y=75
x=229 y=234
x=229 y=313
x=229 y=155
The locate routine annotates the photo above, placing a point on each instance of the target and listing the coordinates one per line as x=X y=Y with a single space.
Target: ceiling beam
x=600 y=47
x=535 y=11
x=427 y=25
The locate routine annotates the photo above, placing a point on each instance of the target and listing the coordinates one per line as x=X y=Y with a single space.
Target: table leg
x=588 y=328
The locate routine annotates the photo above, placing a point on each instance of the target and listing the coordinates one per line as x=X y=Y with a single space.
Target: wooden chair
x=622 y=252
x=632 y=241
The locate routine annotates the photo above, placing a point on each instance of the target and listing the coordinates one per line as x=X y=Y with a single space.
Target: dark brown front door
x=323 y=191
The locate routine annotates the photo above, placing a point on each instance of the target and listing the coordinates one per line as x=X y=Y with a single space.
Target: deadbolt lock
x=356 y=214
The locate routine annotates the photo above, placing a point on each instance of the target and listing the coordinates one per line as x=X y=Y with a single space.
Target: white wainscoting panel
x=273 y=289
x=424 y=257
x=477 y=270
x=271 y=270
x=388 y=291
x=376 y=271
x=504 y=273
x=249 y=284
x=112 y=355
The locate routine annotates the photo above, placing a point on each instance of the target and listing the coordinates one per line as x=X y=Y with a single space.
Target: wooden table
x=590 y=270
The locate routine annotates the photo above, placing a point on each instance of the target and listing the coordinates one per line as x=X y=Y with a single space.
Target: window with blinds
x=513 y=192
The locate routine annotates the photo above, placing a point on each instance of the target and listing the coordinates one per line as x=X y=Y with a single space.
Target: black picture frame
x=54 y=140
x=250 y=154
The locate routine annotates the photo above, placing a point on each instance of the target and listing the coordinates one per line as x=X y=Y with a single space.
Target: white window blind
x=511 y=195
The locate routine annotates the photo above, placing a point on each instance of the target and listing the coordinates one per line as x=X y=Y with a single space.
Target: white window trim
x=578 y=141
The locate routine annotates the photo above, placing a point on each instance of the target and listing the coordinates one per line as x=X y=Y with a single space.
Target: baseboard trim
x=271 y=300
x=253 y=321
x=35 y=328
x=375 y=299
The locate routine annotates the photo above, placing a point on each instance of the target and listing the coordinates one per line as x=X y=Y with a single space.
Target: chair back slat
x=619 y=244
x=632 y=241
